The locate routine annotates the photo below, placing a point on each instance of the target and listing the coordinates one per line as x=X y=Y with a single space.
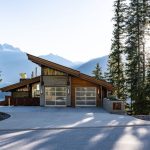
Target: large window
x=49 y=71
x=55 y=95
x=85 y=96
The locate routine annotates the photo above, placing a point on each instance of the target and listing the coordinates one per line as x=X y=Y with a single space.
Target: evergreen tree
x=148 y=76
x=115 y=67
x=147 y=89
x=135 y=64
x=107 y=74
x=148 y=84
x=97 y=72
x=144 y=25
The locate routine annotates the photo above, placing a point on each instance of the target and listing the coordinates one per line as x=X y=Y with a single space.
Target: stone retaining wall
x=143 y=117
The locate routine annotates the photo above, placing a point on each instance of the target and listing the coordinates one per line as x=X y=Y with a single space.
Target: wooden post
x=30 y=90
x=101 y=95
x=8 y=101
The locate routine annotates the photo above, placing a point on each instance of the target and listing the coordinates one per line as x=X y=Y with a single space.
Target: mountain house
x=58 y=86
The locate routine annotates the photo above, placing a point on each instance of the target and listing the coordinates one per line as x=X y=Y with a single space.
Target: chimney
x=21 y=80
x=23 y=77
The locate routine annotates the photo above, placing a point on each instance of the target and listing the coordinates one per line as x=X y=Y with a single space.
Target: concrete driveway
x=37 y=128
x=24 y=118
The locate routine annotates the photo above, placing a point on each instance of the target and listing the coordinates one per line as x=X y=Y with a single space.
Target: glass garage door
x=55 y=96
x=85 y=96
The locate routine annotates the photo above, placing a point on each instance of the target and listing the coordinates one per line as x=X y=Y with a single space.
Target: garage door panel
x=50 y=102
x=90 y=102
x=79 y=94
x=85 y=96
x=60 y=94
x=60 y=103
x=91 y=94
x=55 y=96
x=90 y=98
x=80 y=98
x=80 y=102
x=61 y=98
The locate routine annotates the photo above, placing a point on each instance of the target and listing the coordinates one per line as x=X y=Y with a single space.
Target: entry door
x=85 y=96
x=55 y=96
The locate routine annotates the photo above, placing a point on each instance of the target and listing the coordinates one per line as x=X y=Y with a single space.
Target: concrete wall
x=108 y=106
x=42 y=97
x=55 y=80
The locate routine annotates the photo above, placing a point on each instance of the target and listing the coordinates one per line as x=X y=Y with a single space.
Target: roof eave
x=9 y=88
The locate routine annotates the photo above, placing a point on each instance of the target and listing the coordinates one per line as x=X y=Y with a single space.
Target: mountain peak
x=8 y=47
x=51 y=54
x=89 y=66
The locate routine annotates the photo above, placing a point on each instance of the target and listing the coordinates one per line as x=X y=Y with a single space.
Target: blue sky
x=78 y=30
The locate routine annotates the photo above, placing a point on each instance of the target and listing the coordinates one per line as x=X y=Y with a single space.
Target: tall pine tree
x=135 y=50
x=97 y=72
x=147 y=87
x=115 y=66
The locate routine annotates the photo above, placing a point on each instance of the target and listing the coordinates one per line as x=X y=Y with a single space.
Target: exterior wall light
x=68 y=90
x=41 y=91
x=98 y=91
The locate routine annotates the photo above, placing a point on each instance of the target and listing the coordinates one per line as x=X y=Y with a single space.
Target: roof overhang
x=43 y=62
x=20 y=84
x=98 y=82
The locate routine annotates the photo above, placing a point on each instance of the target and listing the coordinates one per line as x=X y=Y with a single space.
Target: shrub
x=113 y=98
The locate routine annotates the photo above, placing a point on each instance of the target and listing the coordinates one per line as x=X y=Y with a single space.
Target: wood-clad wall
x=77 y=82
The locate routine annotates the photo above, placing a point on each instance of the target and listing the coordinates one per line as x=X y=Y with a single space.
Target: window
x=49 y=71
x=25 y=89
x=85 y=96
x=36 y=90
x=55 y=95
